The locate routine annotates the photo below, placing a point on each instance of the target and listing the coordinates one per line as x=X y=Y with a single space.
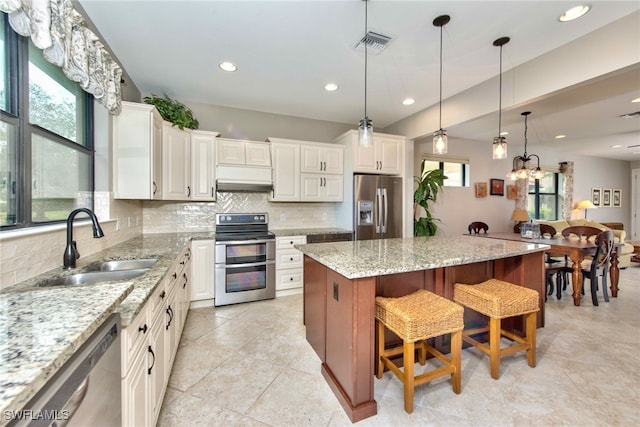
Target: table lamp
x=519 y=216
x=584 y=205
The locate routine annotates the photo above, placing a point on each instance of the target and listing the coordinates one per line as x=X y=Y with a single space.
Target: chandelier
x=521 y=167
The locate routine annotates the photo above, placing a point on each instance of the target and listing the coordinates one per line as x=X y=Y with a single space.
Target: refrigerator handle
x=385 y=203
x=378 y=210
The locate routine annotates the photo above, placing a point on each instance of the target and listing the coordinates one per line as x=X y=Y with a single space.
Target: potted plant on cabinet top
x=174 y=111
x=429 y=183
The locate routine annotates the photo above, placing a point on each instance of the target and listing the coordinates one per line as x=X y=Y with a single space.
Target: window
x=46 y=142
x=455 y=169
x=545 y=199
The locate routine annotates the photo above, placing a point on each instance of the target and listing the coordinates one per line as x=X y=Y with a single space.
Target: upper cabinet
x=385 y=156
x=306 y=171
x=137 y=152
x=203 y=177
x=243 y=153
x=176 y=163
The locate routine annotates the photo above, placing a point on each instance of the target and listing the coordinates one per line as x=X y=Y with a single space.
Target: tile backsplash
x=166 y=217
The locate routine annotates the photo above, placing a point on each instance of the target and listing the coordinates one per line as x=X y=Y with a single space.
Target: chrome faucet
x=71 y=251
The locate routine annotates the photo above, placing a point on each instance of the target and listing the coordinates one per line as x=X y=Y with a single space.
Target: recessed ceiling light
x=560 y=136
x=504 y=133
x=616 y=146
x=330 y=87
x=635 y=100
x=228 y=66
x=408 y=101
x=574 y=13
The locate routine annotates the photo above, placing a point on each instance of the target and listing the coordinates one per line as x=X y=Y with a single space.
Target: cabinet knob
x=290 y=259
x=163 y=294
x=143 y=329
x=291 y=279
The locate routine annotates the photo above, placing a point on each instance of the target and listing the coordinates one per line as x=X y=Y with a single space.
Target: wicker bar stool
x=498 y=300
x=414 y=318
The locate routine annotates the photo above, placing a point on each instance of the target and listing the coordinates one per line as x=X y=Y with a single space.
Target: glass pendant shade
x=537 y=173
x=499 y=147
x=440 y=142
x=365 y=133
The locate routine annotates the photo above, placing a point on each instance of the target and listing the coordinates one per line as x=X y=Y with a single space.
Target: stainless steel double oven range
x=245 y=257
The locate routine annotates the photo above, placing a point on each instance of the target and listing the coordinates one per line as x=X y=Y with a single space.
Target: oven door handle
x=253 y=264
x=243 y=242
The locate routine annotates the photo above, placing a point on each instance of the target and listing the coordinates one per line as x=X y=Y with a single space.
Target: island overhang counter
x=341 y=281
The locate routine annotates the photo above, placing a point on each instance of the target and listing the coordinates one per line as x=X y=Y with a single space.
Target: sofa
x=625 y=253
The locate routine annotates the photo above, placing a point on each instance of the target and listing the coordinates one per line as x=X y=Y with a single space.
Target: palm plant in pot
x=429 y=182
x=173 y=110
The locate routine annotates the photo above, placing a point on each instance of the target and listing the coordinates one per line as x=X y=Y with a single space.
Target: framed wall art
x=497 y=187
x=596 y=196
x=617 y=198
x=606 y=197
x=512 y=191
x=481 y=189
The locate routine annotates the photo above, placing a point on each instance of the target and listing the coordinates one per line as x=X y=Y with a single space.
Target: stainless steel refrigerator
x=378 y=206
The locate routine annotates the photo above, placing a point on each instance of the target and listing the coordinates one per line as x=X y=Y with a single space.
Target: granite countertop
x=308 y=231
x=42 y=330
x=367 y=258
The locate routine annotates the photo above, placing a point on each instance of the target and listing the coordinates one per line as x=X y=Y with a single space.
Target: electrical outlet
x=117 y=224
x=129 y=222
x=137 y=221
x=283 y=217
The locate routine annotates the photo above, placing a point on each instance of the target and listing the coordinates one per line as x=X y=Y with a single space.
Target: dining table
x=576 y=249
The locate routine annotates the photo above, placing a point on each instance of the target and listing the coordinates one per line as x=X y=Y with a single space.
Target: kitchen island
x=341 y=281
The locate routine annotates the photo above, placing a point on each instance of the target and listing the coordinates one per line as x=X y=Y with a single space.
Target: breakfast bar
x=341 y=281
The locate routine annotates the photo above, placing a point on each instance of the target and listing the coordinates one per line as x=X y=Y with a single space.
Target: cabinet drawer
x=156 y=302
x=289 y=241
x=289 y=258
x=289 y=278
x=134 y=338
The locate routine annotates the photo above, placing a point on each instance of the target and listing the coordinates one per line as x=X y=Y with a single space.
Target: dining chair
x=477 y=226
x=599 y=265
x=556 y=265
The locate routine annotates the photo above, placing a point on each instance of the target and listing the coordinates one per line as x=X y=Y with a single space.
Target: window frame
x=17 y=115
x=464 y=164
x=536 y=193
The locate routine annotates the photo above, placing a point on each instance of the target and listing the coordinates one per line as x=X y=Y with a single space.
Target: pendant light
x=521 y=168
x=440 y=137
x=365 y=128
x=500 y=142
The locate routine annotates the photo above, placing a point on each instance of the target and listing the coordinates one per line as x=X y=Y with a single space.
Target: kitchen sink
x=94 y=277
x=123 y=264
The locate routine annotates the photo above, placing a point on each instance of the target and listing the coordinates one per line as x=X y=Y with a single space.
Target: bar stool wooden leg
x=456 y=361
x=531 y=338
x=494 y=347
x=408 y=362
x=380 y=344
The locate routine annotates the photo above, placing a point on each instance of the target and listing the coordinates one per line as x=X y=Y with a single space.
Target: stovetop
x=242 y=227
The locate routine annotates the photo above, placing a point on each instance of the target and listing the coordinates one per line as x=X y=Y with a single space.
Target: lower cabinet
x=289 y=263
x=150 y=343
x=202 y=272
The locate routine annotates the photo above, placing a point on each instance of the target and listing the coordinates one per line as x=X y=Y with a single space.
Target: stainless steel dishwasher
x=86 y=390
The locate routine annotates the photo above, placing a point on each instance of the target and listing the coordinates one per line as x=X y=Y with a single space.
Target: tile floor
x=249 y=365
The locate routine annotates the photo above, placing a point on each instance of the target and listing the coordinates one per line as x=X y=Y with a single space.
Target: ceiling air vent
x=375 y=42
x=631 y=115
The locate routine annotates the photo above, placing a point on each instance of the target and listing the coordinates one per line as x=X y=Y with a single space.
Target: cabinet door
x=333 y=188
x=311 y=158
x=176 y=162
x=135 y=396
x=311 y=187
x=389 y=155
x=171 y=327
x=156 y=184
x=333 y=160
x=257 y=154
x=202 y=269
x=286 y=172
x=203 y=181
x=230 y=152
x=364 y=158
x=156 y=369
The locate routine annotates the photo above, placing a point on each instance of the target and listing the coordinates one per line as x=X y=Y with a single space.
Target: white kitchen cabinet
x=203 y=177
x=137 y=152
x=289 y=264
x=202 y=272
x=286 y=171
x=385 y=156
x=149 y=345
x=321 y=187
x=176 y=163
x=325 y=158
x=242 y=153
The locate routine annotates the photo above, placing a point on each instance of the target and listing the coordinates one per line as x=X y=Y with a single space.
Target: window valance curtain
x=59 y=30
